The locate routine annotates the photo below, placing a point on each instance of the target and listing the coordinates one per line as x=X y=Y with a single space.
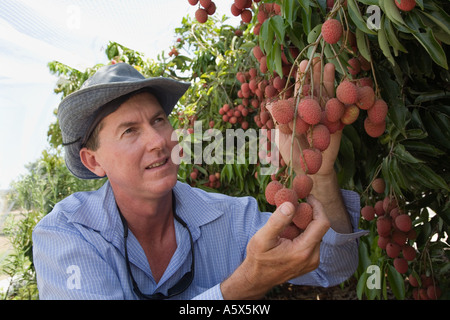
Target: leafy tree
x=404 y=59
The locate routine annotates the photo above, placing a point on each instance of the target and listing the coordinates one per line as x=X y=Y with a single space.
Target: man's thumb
x=279 y=220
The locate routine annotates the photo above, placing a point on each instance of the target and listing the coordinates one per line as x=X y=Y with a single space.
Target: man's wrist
x=241 y=285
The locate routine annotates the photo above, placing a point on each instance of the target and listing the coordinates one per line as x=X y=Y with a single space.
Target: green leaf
x=356 y=17
x=404 y=155
x=289 y=11
x=426 y=39
x=277 y=24
x=396 y=282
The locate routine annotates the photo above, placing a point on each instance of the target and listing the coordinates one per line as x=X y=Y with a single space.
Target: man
x=145 y=235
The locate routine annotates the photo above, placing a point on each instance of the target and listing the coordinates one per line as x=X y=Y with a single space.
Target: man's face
x=135 y=148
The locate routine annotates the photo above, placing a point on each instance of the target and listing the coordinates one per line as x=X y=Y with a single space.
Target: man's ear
x=88 y=158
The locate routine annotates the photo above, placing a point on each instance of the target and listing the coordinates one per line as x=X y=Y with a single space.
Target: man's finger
x=319 y=225
x=269 y=234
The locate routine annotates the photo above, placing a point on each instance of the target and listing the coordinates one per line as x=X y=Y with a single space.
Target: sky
x=74 y=32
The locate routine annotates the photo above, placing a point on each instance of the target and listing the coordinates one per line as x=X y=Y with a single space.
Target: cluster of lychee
x=211 y=180
x=276 y=194
x=425 y=288
x=356 y=94
x=394 y=228
x=206 y=8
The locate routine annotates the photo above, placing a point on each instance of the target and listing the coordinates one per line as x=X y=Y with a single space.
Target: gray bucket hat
x=77 y=111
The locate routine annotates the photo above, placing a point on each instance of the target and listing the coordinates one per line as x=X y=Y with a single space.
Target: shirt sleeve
x=213 y=293
x=338 y=251
x=68 y=267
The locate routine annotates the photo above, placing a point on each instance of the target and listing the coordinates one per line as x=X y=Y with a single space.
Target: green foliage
x=410 y=71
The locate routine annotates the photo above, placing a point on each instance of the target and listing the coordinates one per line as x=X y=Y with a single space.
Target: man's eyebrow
x=128 y=124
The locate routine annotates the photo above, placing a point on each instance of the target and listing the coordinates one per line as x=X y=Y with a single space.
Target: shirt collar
x=99 y=210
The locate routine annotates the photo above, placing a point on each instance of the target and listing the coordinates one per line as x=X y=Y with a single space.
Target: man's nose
x=154 y=139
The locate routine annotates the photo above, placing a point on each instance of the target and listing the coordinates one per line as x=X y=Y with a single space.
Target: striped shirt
x=78 y=248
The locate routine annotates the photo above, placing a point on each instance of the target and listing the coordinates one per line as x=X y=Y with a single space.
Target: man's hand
x=285 y=140
x=272 y=260
x=325 y=184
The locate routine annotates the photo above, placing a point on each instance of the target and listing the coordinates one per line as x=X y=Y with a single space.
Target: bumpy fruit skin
x=401 y=265
x=286 y=195
x=283 y=111
x=405 y=5
x=320 y=137
x=383 y=226
x=378 y=185
x=302 y=184
x=201 y=15
x=303 y=215
x=347 y=92
x=374 y=129
x=350 y=115
x=409 y=253
x=378 y=112
x=311 y=161
x=331 y=31
x=392 y=250
x=403 y=222
x=271 y=189
x=310 y=111
x=290 y=232
x=366 y=98
x=334 y=109
x=368 y=213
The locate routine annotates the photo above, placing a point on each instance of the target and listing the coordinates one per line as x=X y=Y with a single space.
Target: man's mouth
x=157 y=164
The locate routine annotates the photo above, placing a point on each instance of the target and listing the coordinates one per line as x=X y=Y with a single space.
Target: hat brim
x=84 y=103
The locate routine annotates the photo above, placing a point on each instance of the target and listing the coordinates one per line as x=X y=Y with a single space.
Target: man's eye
x=129 y=130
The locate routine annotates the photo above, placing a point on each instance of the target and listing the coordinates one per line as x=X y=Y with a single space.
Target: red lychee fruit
x=309 y=110
x=434 y=292
x=392 y=250
x=279 y=83
x=193 y=2
x=383 y=226
x=347 y=92
x=409 y=253
x=205 y=3
x=235 y=11
x=257 y=52
x=319 y=137
x=403 y=222
x=311 y=160
x=354 y=66
x=302 y=184
x=399 y=237
x=377 y=113
x=211 y=9
x=334 y=109
x=283 y=111
x=290 y=232
x=382 y=242
x=368 y=213
x=241 y=4
x=271 y=189
x=246 y=16
x=201 y=15
x=351 y=113
x=378 y=185
x=401 y=265
x=300 y=126
x=405 y=5
x=374 y=129
x=331 y=31
x=286 y=195
x=303 y=215
x=379 y=211
x=366 y=98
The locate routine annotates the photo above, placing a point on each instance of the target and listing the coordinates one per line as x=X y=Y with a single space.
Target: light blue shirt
x=78 y=248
